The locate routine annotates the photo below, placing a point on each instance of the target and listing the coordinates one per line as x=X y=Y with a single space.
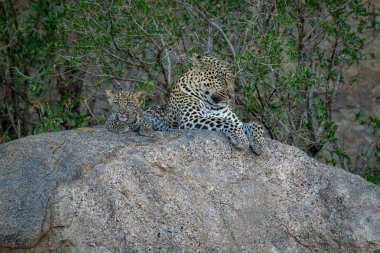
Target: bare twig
x=120 y=59
x=88 y=107
x=370 y=156
x=225 y=37
x=168 y=72
x=11 y=118
x=209 y=39
x=113 y=37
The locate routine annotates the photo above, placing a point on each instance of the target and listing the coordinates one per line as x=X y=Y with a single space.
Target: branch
x=113 y=37
x=168 y=73
x=11 y=118
x=330 y=66
x=97 y=121
x=159 y=62
x=209 y=40
x=203 y=17
x=225 y=38
x=370 y=153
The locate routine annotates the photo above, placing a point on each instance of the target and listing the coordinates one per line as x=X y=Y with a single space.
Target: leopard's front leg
x=255 y=135
x=146 y=128
x=233 y=131
x=117 y=126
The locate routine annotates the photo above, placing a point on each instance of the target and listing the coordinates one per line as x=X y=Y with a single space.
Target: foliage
x=38 y=95
x=290 y=57
x=368 y=163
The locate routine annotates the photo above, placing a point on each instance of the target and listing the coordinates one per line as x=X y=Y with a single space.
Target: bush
x=40 y=94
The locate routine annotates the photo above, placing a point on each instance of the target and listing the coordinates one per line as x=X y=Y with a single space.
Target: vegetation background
x=299 y=65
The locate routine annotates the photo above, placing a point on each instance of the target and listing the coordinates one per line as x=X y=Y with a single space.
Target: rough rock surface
x=89 y=190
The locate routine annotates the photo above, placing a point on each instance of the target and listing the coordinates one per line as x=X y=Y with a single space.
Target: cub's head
x=125 y=105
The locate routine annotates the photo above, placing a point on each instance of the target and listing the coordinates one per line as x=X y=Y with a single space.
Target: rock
x=88 y=190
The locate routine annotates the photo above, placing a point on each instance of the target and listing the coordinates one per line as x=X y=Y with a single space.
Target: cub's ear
x=139 y=97
x=110 y=96
x=197 y=61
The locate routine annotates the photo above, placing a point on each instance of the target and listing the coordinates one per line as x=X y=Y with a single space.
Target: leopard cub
x=125 y=115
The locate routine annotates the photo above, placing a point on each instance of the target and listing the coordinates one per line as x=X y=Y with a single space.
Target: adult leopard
x=199 y=100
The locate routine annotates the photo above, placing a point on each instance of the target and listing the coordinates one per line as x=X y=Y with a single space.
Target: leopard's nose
x=216 y=98
x=221 y=96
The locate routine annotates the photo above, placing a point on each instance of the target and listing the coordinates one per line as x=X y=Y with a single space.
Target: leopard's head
x=219 y=79
x=215 y=67
x=125 y=105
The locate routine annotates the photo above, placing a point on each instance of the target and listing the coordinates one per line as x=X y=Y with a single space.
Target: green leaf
x=359 y=115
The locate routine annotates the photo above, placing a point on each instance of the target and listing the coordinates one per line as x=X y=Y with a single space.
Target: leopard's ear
x=110 y=96
x=139 y=97
x=197 y=61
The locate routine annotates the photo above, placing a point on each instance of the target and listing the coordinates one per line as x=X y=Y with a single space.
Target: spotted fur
x=126 y=115
x=200 y=100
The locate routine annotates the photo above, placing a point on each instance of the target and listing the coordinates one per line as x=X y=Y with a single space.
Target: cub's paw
x=118 y=127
